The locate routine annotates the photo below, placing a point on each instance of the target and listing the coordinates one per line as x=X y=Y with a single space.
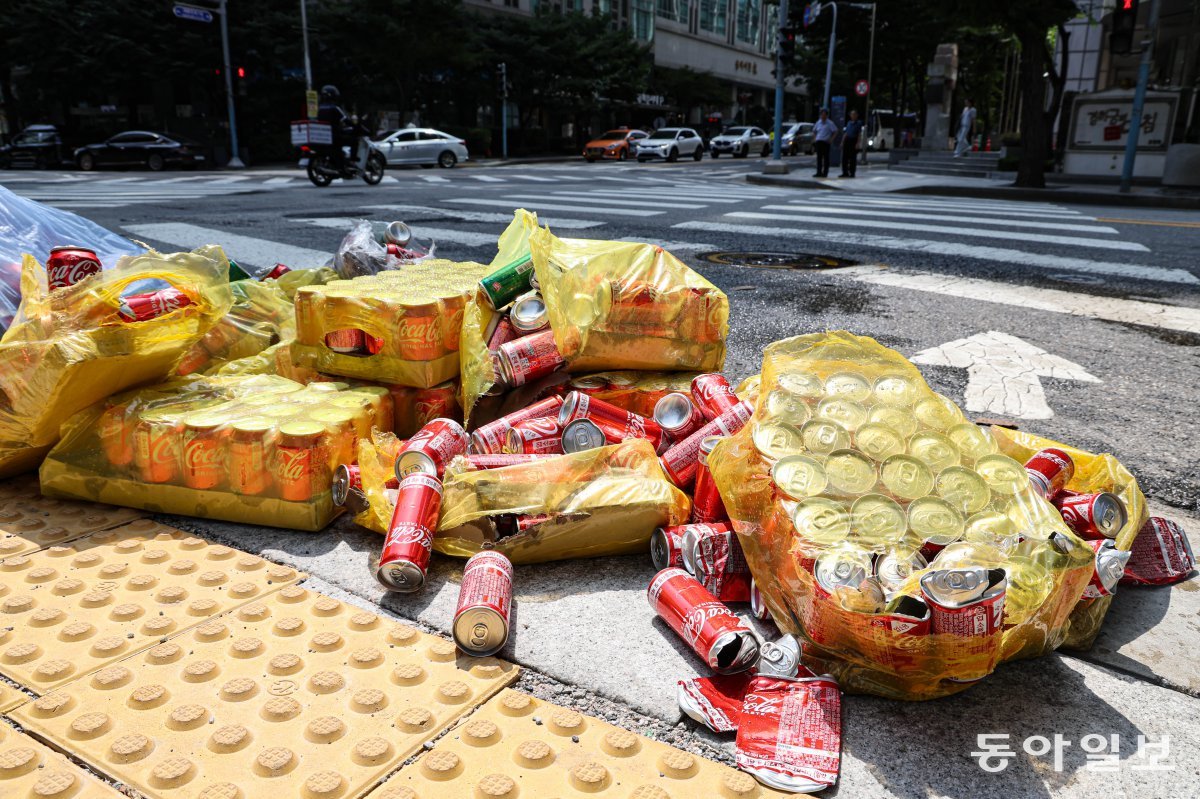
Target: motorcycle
x=322 y=168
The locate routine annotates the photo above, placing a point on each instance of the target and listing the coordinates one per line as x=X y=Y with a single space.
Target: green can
x=236 y=272
x=508 y=282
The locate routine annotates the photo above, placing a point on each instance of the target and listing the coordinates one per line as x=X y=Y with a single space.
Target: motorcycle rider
x=344 y=129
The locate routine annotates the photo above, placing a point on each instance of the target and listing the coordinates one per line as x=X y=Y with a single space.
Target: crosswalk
x=83 y=193
x=643 y=201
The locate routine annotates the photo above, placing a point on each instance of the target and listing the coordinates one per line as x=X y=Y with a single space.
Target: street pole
x=504 y=110
x=1139 y=99
x=870 y=84
x=304 y=34
x=829 y=62
x=777 y=144
x=234 y=161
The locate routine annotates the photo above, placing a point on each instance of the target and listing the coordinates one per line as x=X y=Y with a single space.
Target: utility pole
x=1139 y=99
x=870 y=84
x=304 y=34
x=503 y=70
x=777 y=166
x=829 y=61
x=234 y=161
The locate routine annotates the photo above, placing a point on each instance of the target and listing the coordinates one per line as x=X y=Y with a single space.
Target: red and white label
x=715 y=702
x=1161 y=554
x=487 y=581
x=790 y=733
x=680 y=460
x=693 y=613
x=713 y=395
x=721 y=565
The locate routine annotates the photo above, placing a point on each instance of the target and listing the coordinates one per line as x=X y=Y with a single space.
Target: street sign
x=310 y=98
x=811 y=12
x=193 y=13
x=861 y=88
x=1003 y=372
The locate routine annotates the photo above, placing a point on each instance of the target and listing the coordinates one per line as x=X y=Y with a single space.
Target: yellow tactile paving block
x=69 y=610
x=28 y=524
x=519 y=746
x=31 y=769
x=298 y=695
x=9 y=698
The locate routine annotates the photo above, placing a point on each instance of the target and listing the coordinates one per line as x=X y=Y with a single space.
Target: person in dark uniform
x=850 y=137
x=339 y=124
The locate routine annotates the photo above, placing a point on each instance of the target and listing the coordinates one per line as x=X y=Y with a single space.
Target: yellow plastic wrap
x=604 y=501
x=881 y=463
x=68 y=348
x=634 y=391
x=1093 y=473
x=413 y=315
x=617 y=305
x=257 y=449
x=260 y=317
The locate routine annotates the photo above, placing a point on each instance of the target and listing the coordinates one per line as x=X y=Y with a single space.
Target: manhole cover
x=777 y=260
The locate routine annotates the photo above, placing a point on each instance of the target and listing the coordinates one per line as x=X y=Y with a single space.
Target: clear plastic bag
x=362 y=253
x=261 y=316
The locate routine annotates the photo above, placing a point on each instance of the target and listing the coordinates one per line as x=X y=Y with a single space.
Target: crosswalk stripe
x=553 y=207
x=460 y=215
x=1000 y=255
x=253 y=251
x=947 y=208
x=231 y=179
x=966 y=220
x=950 y=203
x=486 y=178
x=538 y=179
x=433 y=179
x=665 y=195
x=277 y=181
x=577 y=197
x=670 y=246
x=945 y=230
x=1113 y=309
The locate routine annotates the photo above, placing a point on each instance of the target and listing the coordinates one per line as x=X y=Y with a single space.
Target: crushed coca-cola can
x=705 y=624
x=790 y=733
x=1109 y=568
x=1161 y=554
x=481 y=620
x=404 y=558
x=1092 y=516
x=713 y=555
x=431 y=448
x=715 y=702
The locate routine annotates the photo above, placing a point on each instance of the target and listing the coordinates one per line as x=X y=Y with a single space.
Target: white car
x=424 y=146
x=670 y=143
x=740 y=142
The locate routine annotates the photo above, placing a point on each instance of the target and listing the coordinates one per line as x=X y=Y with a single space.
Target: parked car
x=669 y=144
x=798 y=138
x=424 y=146
x=740 y=142
x=618 y=144
x=38 y=146
x=141 y=148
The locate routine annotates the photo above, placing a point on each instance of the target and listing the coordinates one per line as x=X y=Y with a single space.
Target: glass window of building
x=642 y=19
x=713 y=15
x=749 y=13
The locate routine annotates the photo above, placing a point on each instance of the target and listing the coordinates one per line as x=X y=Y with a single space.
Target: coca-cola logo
x=164 y=302
x=546 y=426
x=694 y=622
x=419 y=330
x=159 y=449
x=759 y=705
x=68 y=274
x=200 y=455
x=293 y=464
x=635 y=426
x=410 y=533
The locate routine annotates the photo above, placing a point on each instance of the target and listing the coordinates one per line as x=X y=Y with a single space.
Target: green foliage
x=688 y=88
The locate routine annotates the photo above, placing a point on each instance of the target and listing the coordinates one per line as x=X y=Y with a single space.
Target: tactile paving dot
x=106 y=596
x=30 y=769
x=28 y=522
x=509 y=748
x=236 y=701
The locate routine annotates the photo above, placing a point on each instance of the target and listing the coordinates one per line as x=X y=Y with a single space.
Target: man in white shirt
x=966 y=126
x=823 y=132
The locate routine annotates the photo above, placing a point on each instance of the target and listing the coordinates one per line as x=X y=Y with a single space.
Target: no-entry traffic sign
x=861 y=88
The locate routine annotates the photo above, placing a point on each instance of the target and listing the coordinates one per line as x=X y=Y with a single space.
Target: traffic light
x=502 y=85
x=787 y=43
x=241 y=72
x=1124 y=21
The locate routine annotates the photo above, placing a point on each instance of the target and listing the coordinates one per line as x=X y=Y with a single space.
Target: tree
x=686 y=88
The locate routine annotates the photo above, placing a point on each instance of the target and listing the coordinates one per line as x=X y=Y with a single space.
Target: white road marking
x=1001 y=255
x=278 y=181
x=912 y=201
x=454 y=214
x=965 y=220
x=1003 y=372
x=586 y=197
x=231 y=179
x=487 y=178
x=550 y=207
x=671 y=246
x=858 y=202
x=664 y=195
x=437 y=234
x=1111 y=309
x=433 y=179
x=256 y=252
x=944 y=230
x=537 y=179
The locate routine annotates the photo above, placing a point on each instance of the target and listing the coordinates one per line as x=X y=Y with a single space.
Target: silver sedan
x=424 y=146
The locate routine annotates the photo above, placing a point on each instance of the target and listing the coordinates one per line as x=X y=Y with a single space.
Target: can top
x=955 y=587
x=1109 y=514
x=340 y=486
x=253 y=424
x=203 y=420
x=780 y=658
x=567 y=409
x=329 y=415
x=80 y=248
x=673 y=411
x=301 y=429
x=398 y=233
x=582 y=434
x=528 y=313
x=586 y=382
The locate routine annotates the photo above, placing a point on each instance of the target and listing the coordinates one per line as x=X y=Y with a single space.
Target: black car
x=38 y=146
x=140 y=148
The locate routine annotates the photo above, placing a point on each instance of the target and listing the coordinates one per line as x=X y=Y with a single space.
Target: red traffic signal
x=1124 y=22
x=241 y=72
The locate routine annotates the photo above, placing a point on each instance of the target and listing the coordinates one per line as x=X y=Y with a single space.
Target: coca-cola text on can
x=525 y=359
x=404 y=558
x=297 y=457
x=1092 y=516
x=713 y=395
x=617 y=423
x=68 y=265
x=715 y=702
x=722 y=641
x=204 y=456
x=152 y=304
x=431 y=448
x=539 y=436
x=1049 y=471
x=491 y=437
x=790 y=733
x=481 y=620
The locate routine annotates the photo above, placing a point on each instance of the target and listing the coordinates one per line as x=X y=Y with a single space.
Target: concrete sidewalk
x=877 y=178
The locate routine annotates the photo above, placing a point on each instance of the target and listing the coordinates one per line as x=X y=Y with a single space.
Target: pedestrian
x=966 y=128
x=823 y=132
x=850 y=137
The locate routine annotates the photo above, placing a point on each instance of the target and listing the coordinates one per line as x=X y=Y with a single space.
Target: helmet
x=330 y=92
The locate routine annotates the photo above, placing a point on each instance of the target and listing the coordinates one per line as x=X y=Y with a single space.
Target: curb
x=1057 y=195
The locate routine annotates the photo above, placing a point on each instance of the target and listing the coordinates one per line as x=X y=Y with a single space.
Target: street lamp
x=234 y=161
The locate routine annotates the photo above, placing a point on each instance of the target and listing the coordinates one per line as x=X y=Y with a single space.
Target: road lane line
x=945 y=230
x=591 y=209
x=663 y=195
x=966 y=220
x=847 y=203
x=1018 y=258
x=1111 y=309
x=487 y=178
x=670 y=246
x=585 y=197
x=278 y=181
x=910 y=201
x=1150 y=222
x=257 y=252
x=457 y=215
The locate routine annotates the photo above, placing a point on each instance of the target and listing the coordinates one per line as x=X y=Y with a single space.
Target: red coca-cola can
x=484 y=604
x=715 y=702
x=526 y=359
x=438 y=402
x=404 y=559
x=491 y=437
x=431 y=448
x=1161 y=554
x=707 y=505
x=1108 y=568
x=713 y=395
x=152 y=304
x=527 y=521
x=790 y=733
x=346 y=488
x=678 y=416
x=277 y=271
x=68 y=265
x=1092 y=516
x=617 y=423
x=666 y=547
x=758 y=604
x=503 y=333
x=1049 y=471
x=967 y=603
x=910 y=617
x=502 y=459
x=348 y=341
x=540 y=436
x=713 y=632
x=680 y=460
x=713 y=555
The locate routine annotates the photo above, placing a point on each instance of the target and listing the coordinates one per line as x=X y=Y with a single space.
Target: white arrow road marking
x=1003 y=373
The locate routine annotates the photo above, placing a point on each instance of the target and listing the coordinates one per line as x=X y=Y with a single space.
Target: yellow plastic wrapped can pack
x=69 y=347
x=260 y=317
x=258 y=449
x=852 y=483
x=634 y=391
x=604 y=501
x=617 y=305
x=399 y=326
x=1093 y=473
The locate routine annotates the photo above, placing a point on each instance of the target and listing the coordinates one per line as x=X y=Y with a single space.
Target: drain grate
x=776 y=260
